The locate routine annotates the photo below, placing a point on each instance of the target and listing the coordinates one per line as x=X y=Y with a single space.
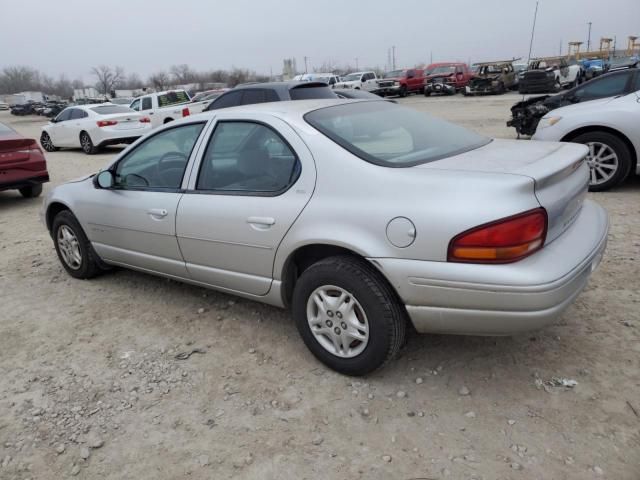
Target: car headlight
x=396 y=83
x=548 y=121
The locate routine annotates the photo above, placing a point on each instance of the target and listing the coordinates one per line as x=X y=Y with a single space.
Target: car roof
x=288 y=85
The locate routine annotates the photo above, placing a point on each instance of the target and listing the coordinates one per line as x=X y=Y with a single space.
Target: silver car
x=361 y=216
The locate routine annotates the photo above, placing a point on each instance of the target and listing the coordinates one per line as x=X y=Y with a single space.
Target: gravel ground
x=89 y=386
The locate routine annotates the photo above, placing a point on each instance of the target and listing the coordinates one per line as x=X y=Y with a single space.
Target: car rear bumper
x=118 y=140
x=474 y=299
x=41 y=177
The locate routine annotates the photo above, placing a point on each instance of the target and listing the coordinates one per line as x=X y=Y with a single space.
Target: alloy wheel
x=69 y=247
x=603 y=162
x=47 y=144
x=85 y=141
x=337 y=321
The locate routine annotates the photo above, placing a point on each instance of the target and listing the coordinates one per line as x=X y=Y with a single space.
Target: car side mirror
x=103 y=179
x=53 y=120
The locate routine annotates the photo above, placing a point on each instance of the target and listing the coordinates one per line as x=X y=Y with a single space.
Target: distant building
x=86 y=93
x=289 y=69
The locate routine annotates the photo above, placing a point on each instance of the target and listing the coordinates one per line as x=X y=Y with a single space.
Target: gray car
x=362 y=216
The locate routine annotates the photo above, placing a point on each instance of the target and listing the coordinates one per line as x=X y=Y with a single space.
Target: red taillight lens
x=106 y=123
x=185 y=112
x=502 y=241
x=145 y=120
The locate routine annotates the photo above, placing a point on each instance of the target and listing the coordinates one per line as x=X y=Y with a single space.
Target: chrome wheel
x=69 y=247
x=337 y=321
x=47 y=144
x=603 y=162
x=85 y=142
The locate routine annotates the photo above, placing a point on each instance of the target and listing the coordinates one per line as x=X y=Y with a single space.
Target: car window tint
x=172 y=98
x=247 y=157
x=64 y=115
x=252 y=96
x=305 y=93
x=146 y=103
x=603 y=87
x=227 y=100
x=135 y=105
x=160 y=161
x=77 y=114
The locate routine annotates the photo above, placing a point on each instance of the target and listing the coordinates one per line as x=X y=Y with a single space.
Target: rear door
x=254 y=179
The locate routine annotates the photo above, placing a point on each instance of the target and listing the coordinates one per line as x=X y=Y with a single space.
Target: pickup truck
x=360 y=81
x=401 y=82
x=164 y=107
x=446 y=78
x=549 y=75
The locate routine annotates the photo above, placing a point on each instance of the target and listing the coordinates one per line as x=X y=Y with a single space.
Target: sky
x=145 y=36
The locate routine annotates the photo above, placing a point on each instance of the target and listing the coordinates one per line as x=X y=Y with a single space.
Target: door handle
x=262 y=221
x=157 y=212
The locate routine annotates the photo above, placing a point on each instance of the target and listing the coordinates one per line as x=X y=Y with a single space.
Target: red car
x=446 y=78
x=22 y=163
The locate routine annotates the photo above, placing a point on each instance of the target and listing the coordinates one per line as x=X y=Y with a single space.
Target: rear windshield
x=108 y=109
x=387 y=134
x=173 y=98
x=305 y=93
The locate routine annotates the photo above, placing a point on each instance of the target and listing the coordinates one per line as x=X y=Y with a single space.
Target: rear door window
x=172 y=98
x=231 y=99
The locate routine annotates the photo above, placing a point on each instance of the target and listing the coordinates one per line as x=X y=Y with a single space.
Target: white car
x=4 y=106
x=91 y=127
x=609 y=127
x=359 y=81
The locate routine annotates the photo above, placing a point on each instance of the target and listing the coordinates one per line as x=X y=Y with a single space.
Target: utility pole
x=356 y=63
x=589 y=38
x=393 y=49
x=560 y=54
x=431 y=58
x=305 y=65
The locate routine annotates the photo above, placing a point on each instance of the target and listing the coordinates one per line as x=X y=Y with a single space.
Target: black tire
x=621 y=150
x=427 y=93
x=32 y=191
x=46 y=143
x=385 y=313
x=90 y=263
x=403 y=91
x=87 y=144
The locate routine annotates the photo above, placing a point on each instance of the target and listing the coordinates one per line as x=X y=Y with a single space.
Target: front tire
x=73 y=247
x=348 y=315
x=31 y=191
x=403 y=91
x=609 y=159
x=87 y=144
x=47 y=143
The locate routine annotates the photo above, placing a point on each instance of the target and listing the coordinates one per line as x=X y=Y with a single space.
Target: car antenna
x=533 y=30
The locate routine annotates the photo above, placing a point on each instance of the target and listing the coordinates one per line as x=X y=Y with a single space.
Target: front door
x=134 y=222
x=253 y=181
x=59 y=131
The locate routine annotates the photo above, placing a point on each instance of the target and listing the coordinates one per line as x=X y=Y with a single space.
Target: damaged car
x=492 y=78
x=526 y=114
x=549 y=75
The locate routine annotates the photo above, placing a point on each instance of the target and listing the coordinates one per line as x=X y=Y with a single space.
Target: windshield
x=394 y=74
x=490 y=69
x=108 y=109
x=173 y=98
x=391 y=135
x=353 y=77
x=439 y=70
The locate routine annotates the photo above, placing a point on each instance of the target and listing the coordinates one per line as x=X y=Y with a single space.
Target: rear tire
x=32 y=191
x=87 y=144
x=371 y=309
x=73 y=247
x=603 y=176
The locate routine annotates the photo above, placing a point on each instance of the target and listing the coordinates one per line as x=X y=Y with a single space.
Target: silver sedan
x=362 y=216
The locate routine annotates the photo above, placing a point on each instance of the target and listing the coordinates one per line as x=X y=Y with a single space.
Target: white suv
x=360 y=81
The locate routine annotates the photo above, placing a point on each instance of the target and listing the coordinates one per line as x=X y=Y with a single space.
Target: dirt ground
x=89 y=386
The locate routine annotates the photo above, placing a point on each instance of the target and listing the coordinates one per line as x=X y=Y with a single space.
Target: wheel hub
x=69 y=247
x=602 y=161
x=346 y=338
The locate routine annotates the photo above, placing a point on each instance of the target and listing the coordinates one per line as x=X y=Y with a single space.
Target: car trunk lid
x=560 y=174
x=15 y=150
x=125 y=121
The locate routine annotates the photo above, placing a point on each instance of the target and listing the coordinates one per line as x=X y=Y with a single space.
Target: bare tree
x=182 y=74
x=18 y=79
x=108 y=78
x=159 y=80
x=132 y=82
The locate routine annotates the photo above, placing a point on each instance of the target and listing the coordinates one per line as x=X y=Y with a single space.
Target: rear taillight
x=503 y=241
x=106 y=123
x=145 y=120
x=185 y=112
